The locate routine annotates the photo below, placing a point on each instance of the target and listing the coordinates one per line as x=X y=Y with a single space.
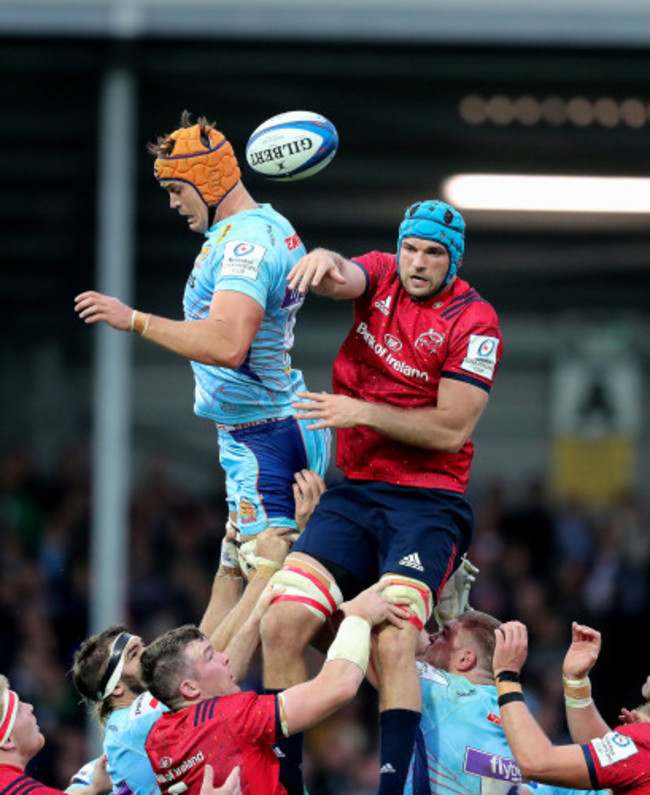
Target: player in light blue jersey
x=238 y=327
x=461 y=747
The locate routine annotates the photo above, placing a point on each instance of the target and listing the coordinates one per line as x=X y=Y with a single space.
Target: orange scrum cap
x=213 y=172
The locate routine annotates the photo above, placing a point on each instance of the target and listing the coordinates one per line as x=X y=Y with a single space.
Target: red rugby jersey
x=396 y=353
x=239 y=729
x=620 y=760
x=13 y=781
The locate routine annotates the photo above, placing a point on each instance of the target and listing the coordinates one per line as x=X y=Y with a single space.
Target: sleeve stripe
x=365 y=273
x=468 y=379
x=591 y=767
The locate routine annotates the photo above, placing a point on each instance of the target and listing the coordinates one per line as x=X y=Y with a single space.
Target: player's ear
x=189 y=689
x=466 y=660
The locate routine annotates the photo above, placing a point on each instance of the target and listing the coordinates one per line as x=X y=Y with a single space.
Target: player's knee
x=418 y=593
x=308 y=587
x=280 y=629
x=395 y=648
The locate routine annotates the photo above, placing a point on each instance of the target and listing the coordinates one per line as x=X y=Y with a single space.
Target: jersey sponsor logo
x=242 y=259
x=224 y=232
x=292 y=298
x=481 y=356
x=165 y=762
x=481 y=763
x=412 y=561
x=247 y=513
x=613 y=747
x=293 y=242
x=202 y=256
x=494 y=718
x=382 y=351
x=430 y=341
x=384 y=306
x=144 y=704
x=176 y=772
x=393 y=342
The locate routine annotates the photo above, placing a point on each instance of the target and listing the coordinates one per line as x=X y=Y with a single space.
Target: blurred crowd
x=543 y=560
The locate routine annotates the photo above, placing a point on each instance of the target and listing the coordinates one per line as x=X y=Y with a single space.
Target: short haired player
x=211 y=721
x=238 y=328
x=410 y=383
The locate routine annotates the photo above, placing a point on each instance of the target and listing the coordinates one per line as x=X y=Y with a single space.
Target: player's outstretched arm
x=347 y=660
x=327 y=273
x=537 y=757
x=271 y=548
x=583 y=718
x=446 y=427
x=222 y=339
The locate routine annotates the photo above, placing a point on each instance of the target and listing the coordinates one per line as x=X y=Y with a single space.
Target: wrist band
x=507 y=676
x=264 y=572
x=506 y=698
x=139 y=322
x=577 y=692
x=269 y=564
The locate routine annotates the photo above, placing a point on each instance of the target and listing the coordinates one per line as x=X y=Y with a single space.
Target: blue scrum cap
x=435 y=220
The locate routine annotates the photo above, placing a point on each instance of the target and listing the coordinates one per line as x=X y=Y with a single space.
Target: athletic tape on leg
x=397 y=586
x=308 y=586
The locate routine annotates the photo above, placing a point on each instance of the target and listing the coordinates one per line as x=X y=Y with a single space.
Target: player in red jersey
x=20 y=740
x=616 y=759
x=410 y=382
x=212 y=722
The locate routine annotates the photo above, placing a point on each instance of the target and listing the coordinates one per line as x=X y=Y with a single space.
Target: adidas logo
x=412 y=561
x=278 y=752
x=384 y=306
x=387 y=768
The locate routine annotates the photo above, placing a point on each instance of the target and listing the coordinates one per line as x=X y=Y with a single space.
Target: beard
x=134 y=683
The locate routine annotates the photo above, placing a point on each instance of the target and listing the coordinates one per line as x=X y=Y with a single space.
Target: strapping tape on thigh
x=419 y=595
x=308 y=586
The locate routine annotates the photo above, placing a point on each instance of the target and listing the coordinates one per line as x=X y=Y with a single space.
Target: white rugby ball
x=292 y=145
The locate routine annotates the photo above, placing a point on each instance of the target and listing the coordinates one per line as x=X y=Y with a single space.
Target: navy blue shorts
x=364 y=528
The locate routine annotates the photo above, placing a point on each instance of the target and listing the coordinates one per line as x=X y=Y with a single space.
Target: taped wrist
x=229 y=555
x=352 y=642
x=577 y=692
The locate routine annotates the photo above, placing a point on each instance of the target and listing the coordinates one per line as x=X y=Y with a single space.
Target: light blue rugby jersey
x=126 y=732
x=250 y=252
x=465 y=751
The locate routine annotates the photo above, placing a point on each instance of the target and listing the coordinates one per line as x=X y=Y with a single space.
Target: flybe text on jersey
x=382 y=351
x=185 y=765
x=481 y=763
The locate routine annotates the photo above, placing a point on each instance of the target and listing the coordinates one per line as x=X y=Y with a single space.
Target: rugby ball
x=292 y=145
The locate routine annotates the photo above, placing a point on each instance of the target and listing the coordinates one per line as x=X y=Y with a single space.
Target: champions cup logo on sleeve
x=481 y=357
x=242 y=259
x=613 y=747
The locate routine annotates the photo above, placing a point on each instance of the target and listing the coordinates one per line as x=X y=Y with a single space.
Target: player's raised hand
x=583 y=651
x=511 y=647
x=311 y=269
x=93 y=307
